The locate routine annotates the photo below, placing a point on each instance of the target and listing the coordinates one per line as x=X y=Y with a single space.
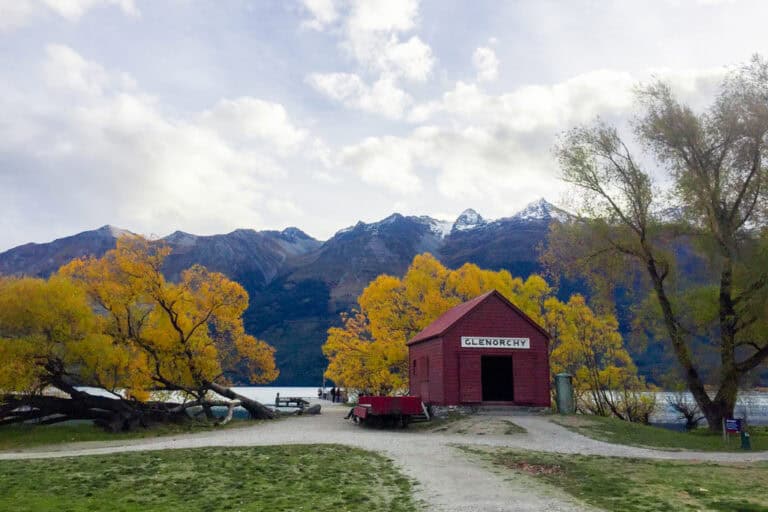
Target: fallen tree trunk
x=118 y=414
x=112 y=414
x=256 y=410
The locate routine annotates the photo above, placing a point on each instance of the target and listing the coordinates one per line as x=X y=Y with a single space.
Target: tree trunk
x=254 y=408
x=725 y=400
x=112 y=414
x=679 y=345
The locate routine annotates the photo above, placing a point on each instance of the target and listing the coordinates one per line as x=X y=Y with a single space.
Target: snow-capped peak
x=293 y=233
x=540 y=210
x=441 y=228
x=180 y=238
x=469 y=219
x=114 y=231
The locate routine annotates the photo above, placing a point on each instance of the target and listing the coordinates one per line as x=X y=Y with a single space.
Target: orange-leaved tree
x=146 y=334
x=590 y=347
x=190 y=333
x=50 y=337
x=369 y=353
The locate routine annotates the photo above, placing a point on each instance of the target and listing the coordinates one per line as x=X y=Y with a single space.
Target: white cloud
x=17 y=13
x=66 y=69
x=324 y=13
x=411 y=59
x=136 y=164
x=372 y=38
x=486 y=63
x=283 y=207
x=384 y=97
x=253 y=118
x=383 y=15
x=534 y=107
x=74 y=9
x=493 y=147
x=372 y=35
x=383 y=161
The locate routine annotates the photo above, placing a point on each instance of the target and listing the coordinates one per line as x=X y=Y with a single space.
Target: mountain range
x=298 y=285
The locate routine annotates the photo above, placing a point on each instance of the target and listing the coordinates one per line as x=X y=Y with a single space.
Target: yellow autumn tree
x=190 y=334
x=368 y=351
x=48 y=332
x=115 y=322
x=51 y=338
x=589 y=346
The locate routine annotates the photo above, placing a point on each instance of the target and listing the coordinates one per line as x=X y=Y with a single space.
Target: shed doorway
x=496 y=376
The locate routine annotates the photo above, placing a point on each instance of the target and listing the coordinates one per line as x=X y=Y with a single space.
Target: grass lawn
x=639 y=485
x=14 y=437
x=436 y=424
x=615 y=431
x=274 y=478
x=513 y=428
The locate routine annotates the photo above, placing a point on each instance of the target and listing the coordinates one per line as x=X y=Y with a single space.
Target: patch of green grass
x=616 y=431
x=437 y=424
x=16 y=437
x=276 y=478
x=512 y=428
x=644 y=485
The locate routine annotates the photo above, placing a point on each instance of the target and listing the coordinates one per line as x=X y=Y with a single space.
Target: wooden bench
x=291 y=401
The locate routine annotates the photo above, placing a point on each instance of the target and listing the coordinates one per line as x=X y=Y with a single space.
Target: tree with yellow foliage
x=369 y=353
x=589 y=347
x=134 y=333
x=49 y=336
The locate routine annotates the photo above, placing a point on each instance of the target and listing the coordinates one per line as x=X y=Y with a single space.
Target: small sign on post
x=731 y=426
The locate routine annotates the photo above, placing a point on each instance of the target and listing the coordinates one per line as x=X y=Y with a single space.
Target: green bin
x=564 y=393
x=746 y=443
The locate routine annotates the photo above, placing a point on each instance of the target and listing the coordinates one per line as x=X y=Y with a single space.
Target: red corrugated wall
x=427 y=379
x=454 y=372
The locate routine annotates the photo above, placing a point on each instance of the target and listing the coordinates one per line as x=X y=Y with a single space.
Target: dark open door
x=498 y=384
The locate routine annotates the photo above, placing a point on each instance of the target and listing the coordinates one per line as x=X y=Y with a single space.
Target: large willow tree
x=706 y=193
x=117 y=324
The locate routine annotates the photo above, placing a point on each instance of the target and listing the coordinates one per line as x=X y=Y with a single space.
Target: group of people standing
x=336 y=394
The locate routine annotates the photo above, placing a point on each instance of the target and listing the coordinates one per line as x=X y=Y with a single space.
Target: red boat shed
x=485 y=351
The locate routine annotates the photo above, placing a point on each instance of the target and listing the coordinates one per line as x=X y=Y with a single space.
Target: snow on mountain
x=441 y=228
x=114 y=231
x=181 y=239
x=469 y=219
x=540 y=210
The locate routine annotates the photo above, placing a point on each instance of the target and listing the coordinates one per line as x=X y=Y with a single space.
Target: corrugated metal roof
x=450 y=317
x=453 y=315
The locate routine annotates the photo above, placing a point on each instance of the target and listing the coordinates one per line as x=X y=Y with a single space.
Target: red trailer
x=389 y=410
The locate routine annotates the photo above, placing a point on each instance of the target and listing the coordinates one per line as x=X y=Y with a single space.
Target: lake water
x=266 y=394
x=753 y=406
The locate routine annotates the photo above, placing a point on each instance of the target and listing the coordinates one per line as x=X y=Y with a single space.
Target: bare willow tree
x=707 y=193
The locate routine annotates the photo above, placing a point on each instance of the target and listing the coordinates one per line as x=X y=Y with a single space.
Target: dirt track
x=449 y=480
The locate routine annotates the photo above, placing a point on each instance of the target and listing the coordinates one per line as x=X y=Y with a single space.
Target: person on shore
x=333 y=394
x=319 y=393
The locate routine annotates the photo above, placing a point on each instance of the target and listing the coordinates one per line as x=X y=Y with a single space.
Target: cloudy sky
x=211 y=115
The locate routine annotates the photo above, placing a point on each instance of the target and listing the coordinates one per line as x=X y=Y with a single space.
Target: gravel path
x=448 y=480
